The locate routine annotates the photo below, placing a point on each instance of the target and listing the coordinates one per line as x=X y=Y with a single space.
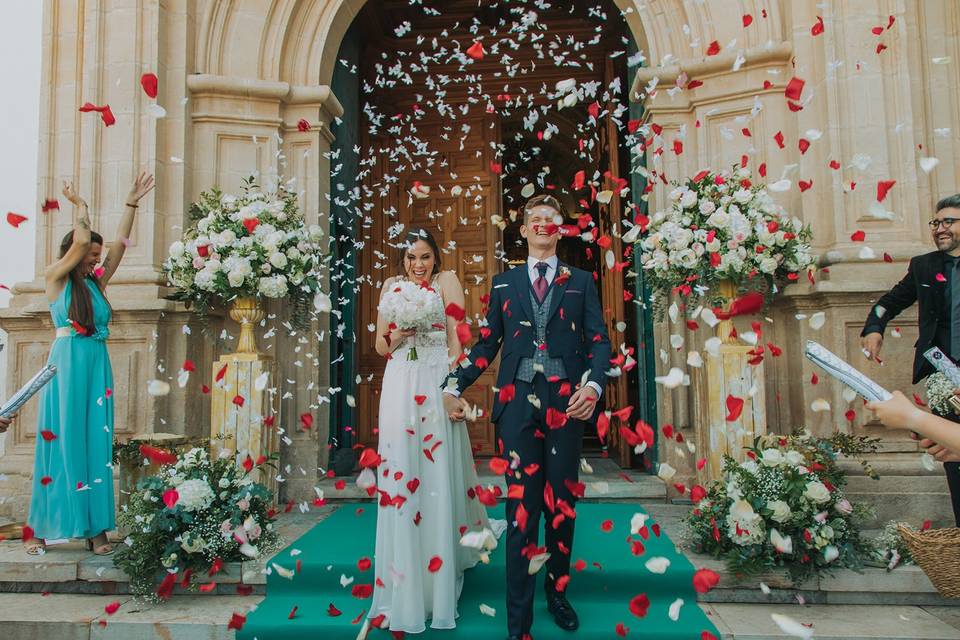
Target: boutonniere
x=563 y=276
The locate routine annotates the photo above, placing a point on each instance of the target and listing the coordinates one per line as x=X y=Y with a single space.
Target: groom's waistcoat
x=541 y=360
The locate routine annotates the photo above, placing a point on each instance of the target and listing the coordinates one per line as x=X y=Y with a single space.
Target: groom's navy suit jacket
x=576 y=332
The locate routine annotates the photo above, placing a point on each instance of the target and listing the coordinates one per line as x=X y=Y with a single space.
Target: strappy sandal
x=35 y=547
x=104 y=549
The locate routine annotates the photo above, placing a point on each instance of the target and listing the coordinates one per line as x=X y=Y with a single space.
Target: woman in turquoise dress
x=73 y=472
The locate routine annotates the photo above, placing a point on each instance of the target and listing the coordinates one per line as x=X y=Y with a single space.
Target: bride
x=431 y=526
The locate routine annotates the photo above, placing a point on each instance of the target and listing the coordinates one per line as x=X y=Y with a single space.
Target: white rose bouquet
x=408 y=305
x=783 y=507
x=721 y=226
x=255 y=244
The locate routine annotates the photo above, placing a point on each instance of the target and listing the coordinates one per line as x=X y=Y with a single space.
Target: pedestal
x=728 y=374
x=239 y=409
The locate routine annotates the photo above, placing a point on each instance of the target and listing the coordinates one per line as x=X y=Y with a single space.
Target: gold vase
x=728 y=291
x=246 y=312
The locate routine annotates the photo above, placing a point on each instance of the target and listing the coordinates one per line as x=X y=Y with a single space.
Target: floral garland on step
x=784 y=507
x=190 y=519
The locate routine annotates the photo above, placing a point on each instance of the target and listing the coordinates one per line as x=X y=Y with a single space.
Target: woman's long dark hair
x=81 y=305
x=413 y=235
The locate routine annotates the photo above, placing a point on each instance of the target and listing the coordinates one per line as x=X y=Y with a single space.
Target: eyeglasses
x=946 y=222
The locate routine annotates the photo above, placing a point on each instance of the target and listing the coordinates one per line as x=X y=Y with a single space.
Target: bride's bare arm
x=452 y=293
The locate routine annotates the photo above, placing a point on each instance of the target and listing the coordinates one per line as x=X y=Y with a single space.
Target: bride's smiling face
x=418 y=262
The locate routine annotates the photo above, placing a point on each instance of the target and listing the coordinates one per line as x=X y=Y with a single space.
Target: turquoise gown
x=72 y=474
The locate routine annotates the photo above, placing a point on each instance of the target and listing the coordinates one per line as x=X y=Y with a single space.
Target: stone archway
x=275 y=61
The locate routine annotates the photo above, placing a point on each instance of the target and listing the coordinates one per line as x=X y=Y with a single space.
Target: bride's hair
x=413 y=235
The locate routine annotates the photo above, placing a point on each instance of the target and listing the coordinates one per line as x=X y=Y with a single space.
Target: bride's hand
x=398 y=335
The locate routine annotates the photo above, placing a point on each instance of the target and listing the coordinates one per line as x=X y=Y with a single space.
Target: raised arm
x=57 y=272
x=141 y=187
x=902 y=295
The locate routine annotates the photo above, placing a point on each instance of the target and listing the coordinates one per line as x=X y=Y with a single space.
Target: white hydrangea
x=195 y=495
x=273 y=286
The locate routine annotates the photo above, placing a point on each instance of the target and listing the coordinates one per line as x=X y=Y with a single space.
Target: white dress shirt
x=533 y=273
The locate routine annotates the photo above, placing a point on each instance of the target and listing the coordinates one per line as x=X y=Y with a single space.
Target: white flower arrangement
x=721 y=226
x=783 y=507
x=255 y=244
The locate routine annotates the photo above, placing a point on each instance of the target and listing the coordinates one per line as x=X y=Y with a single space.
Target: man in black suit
x=932 y=280
x=546 y=317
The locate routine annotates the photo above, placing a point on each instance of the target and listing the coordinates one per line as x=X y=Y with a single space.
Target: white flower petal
x=791 y=627
x=657 y=564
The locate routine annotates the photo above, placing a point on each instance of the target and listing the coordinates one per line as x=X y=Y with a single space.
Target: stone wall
x=237 y=75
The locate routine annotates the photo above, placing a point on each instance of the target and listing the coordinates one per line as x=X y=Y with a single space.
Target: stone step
x=860 y=622
x=607 y=483
x=912 y=508
x=30 y=616
x=70 y=569
x=83 y=617
x=905 y=585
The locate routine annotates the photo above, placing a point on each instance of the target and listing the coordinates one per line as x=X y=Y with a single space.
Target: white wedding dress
x=423 y=480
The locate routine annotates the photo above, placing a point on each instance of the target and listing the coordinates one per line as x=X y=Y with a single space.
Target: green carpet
x=600 y=593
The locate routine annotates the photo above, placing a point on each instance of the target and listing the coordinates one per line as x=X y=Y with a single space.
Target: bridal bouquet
x=939 y=393
x=192 y=517
x=783 y=507
x=721 y=226
x=254 y=244
x=408 y=305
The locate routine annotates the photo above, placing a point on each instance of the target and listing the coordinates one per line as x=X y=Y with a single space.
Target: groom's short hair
x=544 y=199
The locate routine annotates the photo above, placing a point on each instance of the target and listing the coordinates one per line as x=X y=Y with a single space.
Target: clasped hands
x=580 y=407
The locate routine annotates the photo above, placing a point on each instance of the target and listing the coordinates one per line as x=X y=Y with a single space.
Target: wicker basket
x=937 y=552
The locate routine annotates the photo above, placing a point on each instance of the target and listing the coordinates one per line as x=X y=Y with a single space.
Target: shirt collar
x=551 y=261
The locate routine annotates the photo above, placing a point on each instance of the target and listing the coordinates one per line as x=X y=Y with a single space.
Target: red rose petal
x=883 y=187
x=734 y=408
x=705 y=579
x=15 y=219
x=149 y=83
x=639 y=605
x=170 y=498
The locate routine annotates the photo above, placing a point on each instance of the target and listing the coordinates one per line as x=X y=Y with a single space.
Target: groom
x=546 y=316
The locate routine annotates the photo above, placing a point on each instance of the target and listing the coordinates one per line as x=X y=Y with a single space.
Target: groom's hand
x=455 y=407
x=582 y=403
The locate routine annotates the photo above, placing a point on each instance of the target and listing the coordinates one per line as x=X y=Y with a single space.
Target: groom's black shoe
x=563 y=613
